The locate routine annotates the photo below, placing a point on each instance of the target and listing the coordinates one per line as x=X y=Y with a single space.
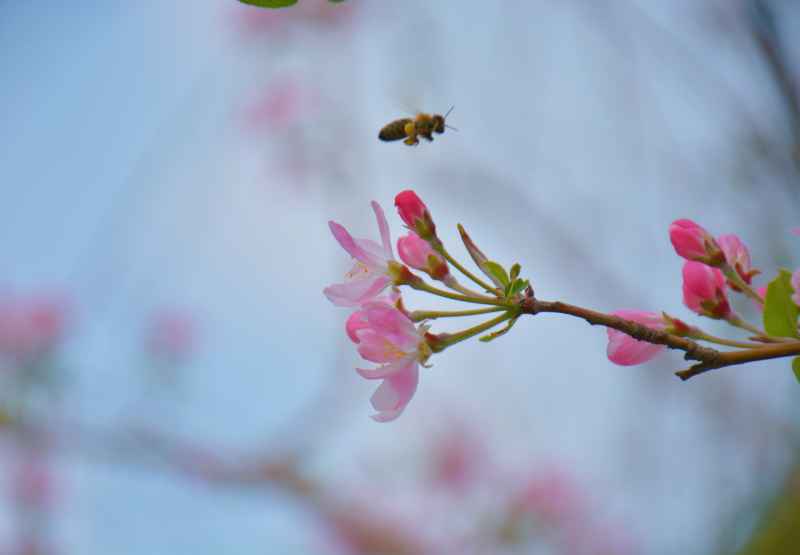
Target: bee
x=421 y=125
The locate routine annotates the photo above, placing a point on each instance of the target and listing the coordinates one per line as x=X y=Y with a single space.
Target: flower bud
x=418 y=254
x=692 y=242
x=704 y=290
x=625 y=350
x=415 y=214
x=738 y=257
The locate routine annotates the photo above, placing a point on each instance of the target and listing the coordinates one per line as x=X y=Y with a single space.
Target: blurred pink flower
x=795 y=231
x=627 y=351
x=33 y=477
x=171 y=335
x=692 y=242
x=418 y=254
x=282 y=104
x=457 y=458
x=361 y=529
x=386 y=336
x=551 y=494
x=370 y=275
x=738 y=257
x=704 y=290
x=31 y=327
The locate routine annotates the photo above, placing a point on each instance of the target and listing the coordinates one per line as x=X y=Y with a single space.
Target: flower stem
x=420 y=315
x=703 y=336
x=735 y=278
x=760 y=334
x=441 y=250
x=422 y=286
x=453 y=284
x=449 y=339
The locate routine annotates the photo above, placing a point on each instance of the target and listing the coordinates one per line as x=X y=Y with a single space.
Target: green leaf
x=516 y=287
x=270 y=3
x=513 y=273
x=497 y=273
x=502 y=331
x=796 y=368
x=335 y=1
x=780 y=312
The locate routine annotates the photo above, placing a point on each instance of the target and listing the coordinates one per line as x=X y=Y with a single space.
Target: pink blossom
x=370 y=274
x=418 y=254
x=33 y=481
x=704 y=290
x=795 y=231
x=627 y=351
x=368 y=526
x=458 y=457
x=386 y=336
x=31 y=327
x=795 y=282
x=358 y=320
x=171 y=335
x=415 y=214
x=692 y=242
x=553 y=495
x=738 y=257
x=281 y=104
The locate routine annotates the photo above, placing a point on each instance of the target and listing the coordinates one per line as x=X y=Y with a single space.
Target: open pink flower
x=386 y=336
x=418 y=254
x=704 y=290
x=738 y=257
x=692 y=242
x=370 y=275
x=627 y=351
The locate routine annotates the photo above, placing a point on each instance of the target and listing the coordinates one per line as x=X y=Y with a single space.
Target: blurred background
x=174 y=381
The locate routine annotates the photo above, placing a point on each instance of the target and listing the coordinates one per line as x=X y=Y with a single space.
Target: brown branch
x=732 y=358
x=709 y=359
x=693 y=350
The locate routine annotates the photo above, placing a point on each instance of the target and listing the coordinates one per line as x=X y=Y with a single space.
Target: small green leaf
x=780 y=312
x=335 y=1
x=270 y=3
x=497 y=272
x=513 y=273
x=502 y=331
x=796 y=368
x=516 y=287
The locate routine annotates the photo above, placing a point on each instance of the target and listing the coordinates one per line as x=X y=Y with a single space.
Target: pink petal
x=356 y=292
x=346 y=241
x=627 y=351
x=376 y=347
x=372 y=249
x=393 y=324
x=356 y=321
x=391 y=398
x=383 y=371
x=383 y=226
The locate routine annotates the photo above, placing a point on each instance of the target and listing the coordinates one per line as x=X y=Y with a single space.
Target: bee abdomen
x=394 y=131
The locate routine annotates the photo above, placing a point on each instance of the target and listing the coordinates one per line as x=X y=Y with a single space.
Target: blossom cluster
x=712 y=268
x=381 y=327
x=399 y=341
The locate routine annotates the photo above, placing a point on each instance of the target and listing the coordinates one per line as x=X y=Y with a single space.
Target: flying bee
x=421 y=125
